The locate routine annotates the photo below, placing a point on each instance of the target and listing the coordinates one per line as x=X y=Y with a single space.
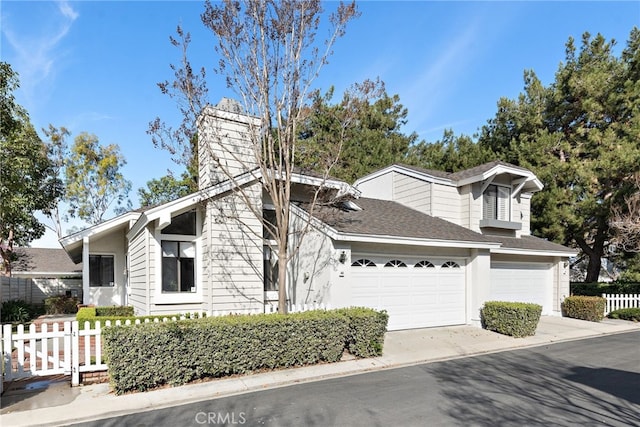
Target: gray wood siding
x=138 y=272
x=380 y=187
x=225 y=136
x=232 y=253
x=522 y=213
x=412 y=192
x=466 y=203
x=446 y=203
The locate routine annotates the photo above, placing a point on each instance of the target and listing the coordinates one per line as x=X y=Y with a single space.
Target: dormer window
x=496 y=203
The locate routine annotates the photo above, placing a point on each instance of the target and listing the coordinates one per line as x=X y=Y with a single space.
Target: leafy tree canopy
x=364 y=127
x=94 y=180
x=580 y=135
x=27 y=178
x=451 y=154
x=164 y=190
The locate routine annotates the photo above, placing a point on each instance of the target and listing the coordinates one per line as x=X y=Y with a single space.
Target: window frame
x=179 y=266
x=177 y=297
x=497 y=205
x=104 y=254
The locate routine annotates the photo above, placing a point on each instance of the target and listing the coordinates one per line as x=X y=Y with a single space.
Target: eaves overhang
x=534 y=252
x=529 y=181
x=165 y=210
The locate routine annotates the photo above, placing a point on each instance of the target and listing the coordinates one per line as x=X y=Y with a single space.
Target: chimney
x=226 y=146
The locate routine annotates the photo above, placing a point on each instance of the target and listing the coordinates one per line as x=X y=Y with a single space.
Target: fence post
x=6 y=351
x=75 y=354
x=67 y=347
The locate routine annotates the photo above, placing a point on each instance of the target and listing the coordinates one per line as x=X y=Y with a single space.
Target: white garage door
x=417 y=293
x=522 y=282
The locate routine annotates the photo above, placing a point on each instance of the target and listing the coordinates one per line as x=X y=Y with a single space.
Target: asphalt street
x=590 y=382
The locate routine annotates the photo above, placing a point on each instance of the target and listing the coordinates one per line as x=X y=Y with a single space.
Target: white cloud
x=67 y=10
x=36 y=46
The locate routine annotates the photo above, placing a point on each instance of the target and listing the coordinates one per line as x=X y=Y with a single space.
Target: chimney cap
x=229 y=105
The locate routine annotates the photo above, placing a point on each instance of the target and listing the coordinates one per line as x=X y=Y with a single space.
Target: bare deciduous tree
x=626 y=221
x=270 y=57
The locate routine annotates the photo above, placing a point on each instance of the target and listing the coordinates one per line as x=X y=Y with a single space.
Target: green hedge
x=141 y=357
x=589 y=308
x=516 y=319
x=114 y=310
x=632 y=314
x=365 y=337
x=597 y=289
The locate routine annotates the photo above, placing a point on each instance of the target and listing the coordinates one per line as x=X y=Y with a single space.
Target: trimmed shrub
x=145 y=356
x=114 y=310
x=16 y=311
x=597 y=289
x=632 y=314
x=365 y=337
x=61 y=304
x=517 y=319
x=589 y=308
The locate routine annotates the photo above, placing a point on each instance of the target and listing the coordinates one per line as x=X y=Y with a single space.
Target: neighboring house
x=429 y=247
x=38 y=273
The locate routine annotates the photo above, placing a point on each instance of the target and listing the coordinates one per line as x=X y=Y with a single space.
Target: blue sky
x=93 y=66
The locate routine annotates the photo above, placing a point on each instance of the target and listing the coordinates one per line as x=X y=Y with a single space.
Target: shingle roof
x=432 y=172
x=531 y=243
x=44 y=260
x=387 y=218
x=466 y=173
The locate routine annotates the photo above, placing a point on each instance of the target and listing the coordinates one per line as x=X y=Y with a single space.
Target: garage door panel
x=524 y=282
x=413 y=297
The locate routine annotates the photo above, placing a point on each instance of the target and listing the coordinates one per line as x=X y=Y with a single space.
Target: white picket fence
x=618 y=301
x=72 y=350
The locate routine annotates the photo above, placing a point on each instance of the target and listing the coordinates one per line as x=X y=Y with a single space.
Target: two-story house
x=429 y=247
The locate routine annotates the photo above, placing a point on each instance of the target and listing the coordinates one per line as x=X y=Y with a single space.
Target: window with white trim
x=178 y=254
x=496 y=202
x=101 y=270
x=178 y=266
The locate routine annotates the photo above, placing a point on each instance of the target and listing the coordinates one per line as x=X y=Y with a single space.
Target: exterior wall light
x=343 y=257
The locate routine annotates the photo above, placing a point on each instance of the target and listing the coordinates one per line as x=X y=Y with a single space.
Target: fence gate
x=52 y=350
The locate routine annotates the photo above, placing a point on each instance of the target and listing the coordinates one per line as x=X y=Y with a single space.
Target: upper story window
x=183 y=224
x=496 y=203
x=101 y=270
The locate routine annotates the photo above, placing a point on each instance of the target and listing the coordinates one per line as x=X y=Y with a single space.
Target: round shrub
x=517 y=319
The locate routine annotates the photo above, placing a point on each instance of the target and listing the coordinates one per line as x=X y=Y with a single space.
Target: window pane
x=187 y=250
x=187 y=276
x=489 y=203
x=270 y=276
x=101 y=270
x=503 y=203
x=107 y=270
x=169 y=274
x=94 y=271
x=170 y=249
x=184 y=224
